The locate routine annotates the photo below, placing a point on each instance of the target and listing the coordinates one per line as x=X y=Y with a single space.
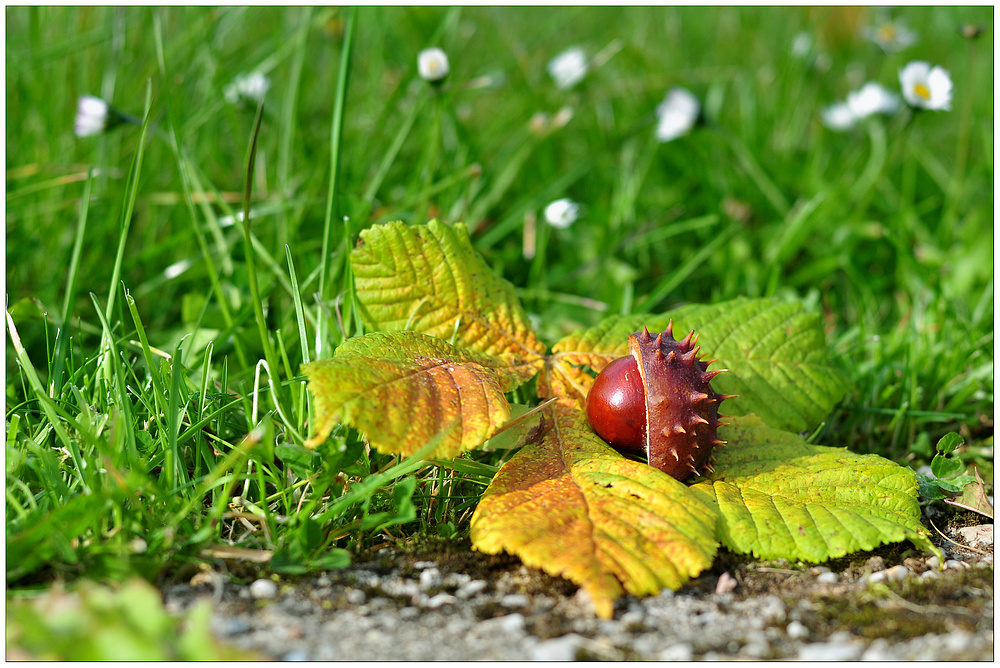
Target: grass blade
x=333 y=192
x=128 y=206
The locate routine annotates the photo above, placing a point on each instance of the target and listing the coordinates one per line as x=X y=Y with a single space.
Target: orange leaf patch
x=575 y=508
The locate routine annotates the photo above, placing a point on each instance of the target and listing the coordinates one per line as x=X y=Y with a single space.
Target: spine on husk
x=682 y=409
x=659 y=400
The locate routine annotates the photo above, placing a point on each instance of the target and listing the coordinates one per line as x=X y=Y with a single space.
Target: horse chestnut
x=659 y=400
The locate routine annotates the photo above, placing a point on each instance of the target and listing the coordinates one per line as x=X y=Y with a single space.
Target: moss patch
x=908 y=609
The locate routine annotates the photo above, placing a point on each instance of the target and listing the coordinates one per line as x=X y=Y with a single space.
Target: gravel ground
x=441 y=602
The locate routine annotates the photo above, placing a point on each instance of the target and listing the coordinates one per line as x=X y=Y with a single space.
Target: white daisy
x=838 y=116
x=562 y=213
x=568 y=68
x=891 y=36
x=91 y=116
x=677 y=114
x=872 y=98
x=432 y=64
x=926 y=87
x=251 y=87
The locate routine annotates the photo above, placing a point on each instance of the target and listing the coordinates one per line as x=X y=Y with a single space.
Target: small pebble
x=934 y=562
x=632 y=617
x=507 y=624
x=263 y=589
x=355 y=596
x=840 y=637
x=514 y=601
x=797 y=630
x=470 y=589
x=956 y=641
x=430 y=578
x=827 y=578
x=679 y=652
x=409 y=612
x=726 y=584
x=830 y=651
x=439 y=600
x=894 y=574
x=455 y=579
x=980 y=535
x=756 y=648
x=420 y=565
x=231 y=626
x=877 y=651
x=955 y=564
x=557 y=649
x=875 y=563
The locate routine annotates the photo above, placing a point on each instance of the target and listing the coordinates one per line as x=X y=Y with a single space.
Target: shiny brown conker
x=659 y=400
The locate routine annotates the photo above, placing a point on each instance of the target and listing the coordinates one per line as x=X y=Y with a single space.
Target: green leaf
x=780 y=497
x=408 y=393
x=289 y=559
x=946 y=467
x=48 y=535
x=124 y=623
x=776 y=354
x=575 y=508
x=429 y=278
x=929 y=488
x=302 y=461
x=402 y=501
x=949 y=442
x=955 y=485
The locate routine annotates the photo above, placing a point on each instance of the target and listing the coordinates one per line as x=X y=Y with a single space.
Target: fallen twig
x=964 y=547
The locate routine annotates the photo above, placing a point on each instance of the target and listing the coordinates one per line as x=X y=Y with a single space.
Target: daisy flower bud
x=677 y=114
x=971 y=31
x=432 y=64
x=926 y=87
x=568 y=68
x=562 y=213
x=91 y=116
x=251 y=87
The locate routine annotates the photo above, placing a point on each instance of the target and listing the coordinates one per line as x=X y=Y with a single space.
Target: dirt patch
x=438 y=599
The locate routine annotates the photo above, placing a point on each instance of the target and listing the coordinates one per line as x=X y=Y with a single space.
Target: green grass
x=155 y=408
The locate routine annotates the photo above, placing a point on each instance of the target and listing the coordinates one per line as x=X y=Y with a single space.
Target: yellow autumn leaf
x=575 y=508
x=429 y=279
x=402 y=388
